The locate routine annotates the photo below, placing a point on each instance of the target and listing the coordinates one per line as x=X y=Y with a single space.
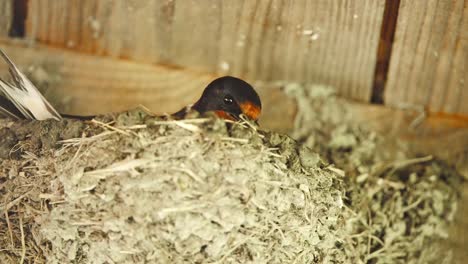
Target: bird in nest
x=228 y=97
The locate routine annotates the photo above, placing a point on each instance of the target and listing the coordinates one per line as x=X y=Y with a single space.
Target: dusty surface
x=134 y=189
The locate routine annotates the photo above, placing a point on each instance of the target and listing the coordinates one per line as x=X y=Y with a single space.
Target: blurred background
x=401 y=64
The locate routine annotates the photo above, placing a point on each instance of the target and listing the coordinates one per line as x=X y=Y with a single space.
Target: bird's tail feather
x=25 y=100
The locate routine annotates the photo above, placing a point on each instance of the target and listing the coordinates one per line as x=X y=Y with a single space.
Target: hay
x=135 y=189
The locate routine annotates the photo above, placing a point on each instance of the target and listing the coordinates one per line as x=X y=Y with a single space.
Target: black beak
x=235 y=117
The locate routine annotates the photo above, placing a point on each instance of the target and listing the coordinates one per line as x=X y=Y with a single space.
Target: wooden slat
x=6 y=11
x=430 y=56
x=195 y=34
x=321 y=41
x=84 y=84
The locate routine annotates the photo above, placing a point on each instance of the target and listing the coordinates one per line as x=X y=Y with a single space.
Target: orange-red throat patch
x=224 y=115
x=250 y=110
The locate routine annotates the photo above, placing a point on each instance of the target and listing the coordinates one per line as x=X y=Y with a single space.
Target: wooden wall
x=429 y=63
x=331 y=42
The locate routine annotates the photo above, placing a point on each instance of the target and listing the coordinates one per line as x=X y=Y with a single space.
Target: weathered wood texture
x=321 y=41
x=91 y=85
x=84 y=84
x=6 y=17
x=430 y=56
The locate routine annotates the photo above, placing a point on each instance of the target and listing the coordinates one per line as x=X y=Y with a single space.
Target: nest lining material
x=185 y=192
x=399 y=207
x=148 y=190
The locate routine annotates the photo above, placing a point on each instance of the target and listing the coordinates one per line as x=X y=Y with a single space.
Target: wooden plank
x=144 y=35
x=195 y=34
x=429 y=62
x=84 y=84
x=115 y=84
x=88 y=84
x=321 y=41
x=6 y=9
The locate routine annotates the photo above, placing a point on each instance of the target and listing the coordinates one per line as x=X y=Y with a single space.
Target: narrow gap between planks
x=384 y=50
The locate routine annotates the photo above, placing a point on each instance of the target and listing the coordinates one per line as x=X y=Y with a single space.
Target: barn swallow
x=228 y=97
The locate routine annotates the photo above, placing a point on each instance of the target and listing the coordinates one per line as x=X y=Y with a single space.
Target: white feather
x=25 y=96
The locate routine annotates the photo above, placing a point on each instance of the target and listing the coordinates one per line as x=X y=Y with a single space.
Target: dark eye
x=228 y=100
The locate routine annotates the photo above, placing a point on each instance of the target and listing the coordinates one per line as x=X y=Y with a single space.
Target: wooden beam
x=84 y=84
x=321 y=41
x=429 y=63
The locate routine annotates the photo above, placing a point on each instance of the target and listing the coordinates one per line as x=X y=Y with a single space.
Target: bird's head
x=229 y=97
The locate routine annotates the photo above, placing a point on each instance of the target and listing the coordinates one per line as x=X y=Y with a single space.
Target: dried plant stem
x=23 y=243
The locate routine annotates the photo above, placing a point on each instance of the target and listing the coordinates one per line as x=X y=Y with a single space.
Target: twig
x=14 y=202
x=337 y=171
x=77 y=152
x=189 y=127
x=401 y=164
x=10 y=230
x=234 y=249
x=75 y=141
x=189 y=173
x=23 y=244
x=188 y=121
x=122 y=166
x=240 y=140
x=404 y=163
x=86 y=223
x=187 y=124
x=249 y=124
x=369 y=234
x=110 y=127
x=411 y=206
x=146 y=110
x=134 y=127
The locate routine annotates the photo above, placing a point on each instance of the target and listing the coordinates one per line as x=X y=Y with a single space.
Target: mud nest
x=167 y=192
x=131 y=188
